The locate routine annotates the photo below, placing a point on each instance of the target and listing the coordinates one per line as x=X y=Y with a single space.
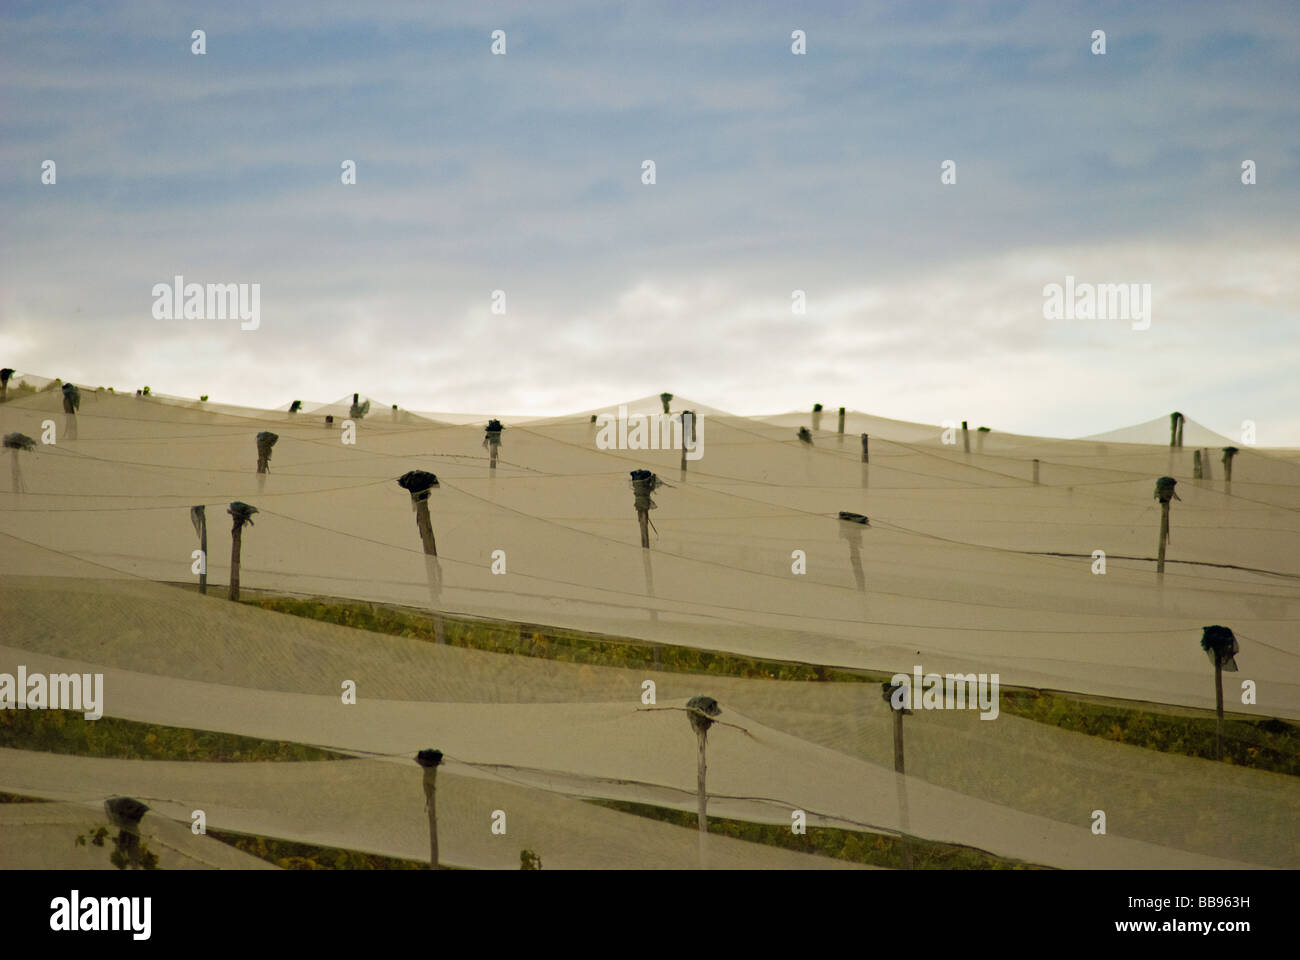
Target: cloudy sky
x=775 y=173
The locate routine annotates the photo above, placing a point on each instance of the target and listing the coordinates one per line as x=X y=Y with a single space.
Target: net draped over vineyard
x=965 y=566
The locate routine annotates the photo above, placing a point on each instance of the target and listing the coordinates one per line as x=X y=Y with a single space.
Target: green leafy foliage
x=288 y=855
x=69 y=732
x=1272 y=745
x=129 y=851
x=96 y=838
x=874 y=849
x=1269 y=744
x=531 y=640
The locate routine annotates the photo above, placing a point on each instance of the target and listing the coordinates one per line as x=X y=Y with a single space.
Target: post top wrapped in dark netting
x=853 y=517
x=429 y=758
x=6 y=374
x=701 y=711
x=295 y=406
x=1231 y=451
x=805 y=435
x=19 y=441
x=418 y=483
x=265 y=441
x=492 y=432
x=358 y=410
x=125 y=811
x=887 y=691
x=1165 y=490
x=242 y=512
x=71 y=398
x=1220 y=645
x=644 y=483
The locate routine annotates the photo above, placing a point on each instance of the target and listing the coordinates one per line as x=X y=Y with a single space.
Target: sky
x=774 y=172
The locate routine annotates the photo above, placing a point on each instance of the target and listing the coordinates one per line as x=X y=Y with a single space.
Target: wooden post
x=701 y=711
x=418 y=483
x=965 y=437
x=492 y=440
x=650 y=596
x=1218 y=707
x=242 y=514
x=817 y=416
x=1164 y=493
x=203 y=548
x=125 y=813
x=433 y=575
x=199 y=517
x=1164 y=536
x=1220 y=644
x=887 y=691
x=865 y=452
x=1197 y=469
x=1228 y=454
x=265 y=441
x=425 y=526
x=851 y=525
x=688 y=429
x=429 y=760
x=855 y=559
x=71 y=401
x=18 y=443
x=840 y=429
x=702 y=796
x=1035 y=471
x=643 y=485
x=898 y=742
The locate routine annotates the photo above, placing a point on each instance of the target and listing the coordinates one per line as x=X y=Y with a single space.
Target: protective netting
x=967 y=565
x=44 y=836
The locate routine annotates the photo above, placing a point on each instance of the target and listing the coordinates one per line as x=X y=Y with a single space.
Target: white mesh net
x=967 y=565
